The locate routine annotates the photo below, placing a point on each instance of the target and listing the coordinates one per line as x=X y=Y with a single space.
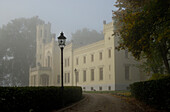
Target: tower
x=43 y=36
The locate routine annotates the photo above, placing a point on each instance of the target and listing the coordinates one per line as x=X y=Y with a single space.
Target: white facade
x=99 y=66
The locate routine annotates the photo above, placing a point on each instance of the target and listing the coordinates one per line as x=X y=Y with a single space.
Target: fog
x=18 y=21
x=68 y=16
x=54 y=51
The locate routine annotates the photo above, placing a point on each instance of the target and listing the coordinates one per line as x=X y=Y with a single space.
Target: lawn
x=120 y=93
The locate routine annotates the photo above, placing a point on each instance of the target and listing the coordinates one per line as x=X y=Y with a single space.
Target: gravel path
x=102 y=103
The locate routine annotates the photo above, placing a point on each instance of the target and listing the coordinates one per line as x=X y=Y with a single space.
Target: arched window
x=48 y=61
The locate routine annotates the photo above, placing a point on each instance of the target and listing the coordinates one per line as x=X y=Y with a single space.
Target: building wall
x=47 y=58
x=67 y=65
x=97 y=63
x=42 y=37
x=56 y=65
x=33 y=78
x=126 y=68
x=99 y=66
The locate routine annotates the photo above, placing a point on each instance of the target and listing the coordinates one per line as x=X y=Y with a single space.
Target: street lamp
x=61 y=42
x=75 y=75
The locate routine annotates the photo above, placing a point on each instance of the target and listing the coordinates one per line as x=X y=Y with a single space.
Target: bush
x=156 y=93
x=37 y=99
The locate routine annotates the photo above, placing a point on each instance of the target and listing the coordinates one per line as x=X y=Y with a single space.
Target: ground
x=95 y=102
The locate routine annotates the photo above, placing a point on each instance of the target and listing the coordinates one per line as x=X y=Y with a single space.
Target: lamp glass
x=61 y=40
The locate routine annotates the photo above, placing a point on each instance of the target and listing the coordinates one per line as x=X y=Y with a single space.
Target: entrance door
x=44 y=80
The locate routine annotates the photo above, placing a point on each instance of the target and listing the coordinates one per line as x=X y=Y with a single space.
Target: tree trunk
x=164 y=54
x=165 y=60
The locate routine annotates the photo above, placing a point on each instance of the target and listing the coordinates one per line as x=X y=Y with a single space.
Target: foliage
x=37 y=99
x=85 y=37
x=152 y=65
x=155 y=92
x=157 y=76
x=144 y=28
x=17 y=50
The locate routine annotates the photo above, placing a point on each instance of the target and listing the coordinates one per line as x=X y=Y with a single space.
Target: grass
x=120 y=93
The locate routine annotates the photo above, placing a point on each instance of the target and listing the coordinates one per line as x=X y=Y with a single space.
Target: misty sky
x=64 y=15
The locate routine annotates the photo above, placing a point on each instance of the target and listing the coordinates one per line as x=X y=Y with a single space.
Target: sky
x=64 y=15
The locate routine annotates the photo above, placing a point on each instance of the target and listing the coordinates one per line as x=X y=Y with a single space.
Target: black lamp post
x=75 y=75
x=61 y=42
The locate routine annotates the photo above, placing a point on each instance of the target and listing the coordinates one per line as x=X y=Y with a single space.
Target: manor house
x=97 y=66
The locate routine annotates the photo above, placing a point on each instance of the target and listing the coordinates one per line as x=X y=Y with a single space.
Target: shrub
x=37 y=99
x=154 y=92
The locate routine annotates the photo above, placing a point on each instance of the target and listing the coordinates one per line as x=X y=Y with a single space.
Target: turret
x=108 y=31
x=43 y=36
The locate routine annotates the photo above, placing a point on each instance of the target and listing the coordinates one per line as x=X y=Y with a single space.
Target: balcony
x=40 y=69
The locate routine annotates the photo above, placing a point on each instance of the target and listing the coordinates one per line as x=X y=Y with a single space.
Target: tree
x=85 y=37
x=17 y=50
x=144 y=28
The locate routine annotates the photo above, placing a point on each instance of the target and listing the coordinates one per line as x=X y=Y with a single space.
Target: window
x=92 y=74
x=109 y=88
x=48 y=60
x=77 y=76
x=109 y=53
x=34 y=80
x=100 y=55
x=68 y=77
x=100 y=73
x=84 y=75
x=126 y=53
x=65 y=62
x=84 y=59
x=92 y=58
x=68 y=62
x=100 y=88
x=77 y=61
x=126 y=72
x=92 y=89
x=65 y=77
x=109 y=38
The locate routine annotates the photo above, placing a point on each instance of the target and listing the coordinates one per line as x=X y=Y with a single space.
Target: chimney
x=104 y=22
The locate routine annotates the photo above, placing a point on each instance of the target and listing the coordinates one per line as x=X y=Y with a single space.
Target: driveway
x=102 y=103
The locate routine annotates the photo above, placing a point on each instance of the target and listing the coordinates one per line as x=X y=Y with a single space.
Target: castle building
x=97 y=66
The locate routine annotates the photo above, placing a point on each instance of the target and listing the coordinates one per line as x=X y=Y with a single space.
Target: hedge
x=37 y=99
x=156 y=93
